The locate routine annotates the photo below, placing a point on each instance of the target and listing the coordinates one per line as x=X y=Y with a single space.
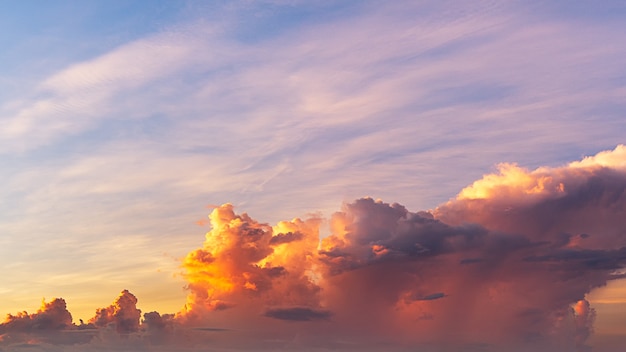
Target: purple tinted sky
x=121 y=122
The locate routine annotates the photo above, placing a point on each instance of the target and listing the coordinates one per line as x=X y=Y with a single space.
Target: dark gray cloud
x=430 y=297
x=298 y=314
x=286 y=238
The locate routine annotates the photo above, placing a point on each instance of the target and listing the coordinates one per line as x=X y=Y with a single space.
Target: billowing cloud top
x=506 y=264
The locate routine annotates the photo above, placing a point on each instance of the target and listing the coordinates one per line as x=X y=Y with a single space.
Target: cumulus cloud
x=507 y=264
x=571 y=218
x=51 y=325
x=122 y=314
x=51 y=316
x=243 y=260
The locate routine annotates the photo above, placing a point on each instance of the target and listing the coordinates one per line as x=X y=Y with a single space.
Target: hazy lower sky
x=124 y=124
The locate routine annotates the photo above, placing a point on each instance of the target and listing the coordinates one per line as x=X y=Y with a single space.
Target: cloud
x=153 y=321
x=570 y=217
x=51 y=316
x=615 y=159
x=285 y=238
x=123 y=315
x=431 y=297
x=555 y=232
x=51 y=325
x=507 y=264
x=315 y=122
x=584 y=318
x=242 y=259
x=511 y=255
x=298 y=314
x=77 y=98
x=547 y=204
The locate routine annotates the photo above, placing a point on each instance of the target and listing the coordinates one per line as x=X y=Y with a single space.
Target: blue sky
x=122 y=123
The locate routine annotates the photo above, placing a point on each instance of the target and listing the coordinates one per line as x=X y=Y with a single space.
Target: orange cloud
x=243 y=260
x=51 y=316
x=500 y=264
x=507 y=264
x=122 y=314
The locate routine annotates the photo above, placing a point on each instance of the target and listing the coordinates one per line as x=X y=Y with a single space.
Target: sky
x=328 y=175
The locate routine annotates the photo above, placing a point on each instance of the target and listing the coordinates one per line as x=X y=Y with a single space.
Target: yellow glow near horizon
x=613 y=293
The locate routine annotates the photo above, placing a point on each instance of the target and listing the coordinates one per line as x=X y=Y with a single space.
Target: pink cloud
x=507 y=264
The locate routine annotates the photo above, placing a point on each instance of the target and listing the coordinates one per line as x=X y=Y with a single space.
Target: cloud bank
x=323 y=110
x=505 y=265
